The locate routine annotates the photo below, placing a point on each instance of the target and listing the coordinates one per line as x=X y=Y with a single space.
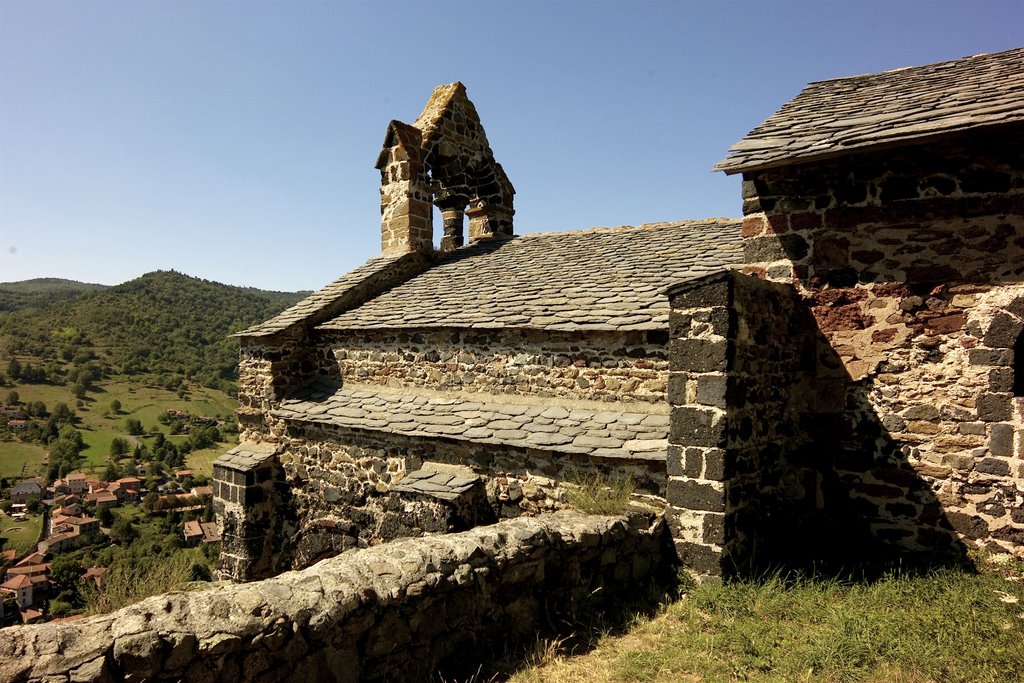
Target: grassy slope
x=21 y=460
x=25 y=535
x=950 y=626
x=99 y=426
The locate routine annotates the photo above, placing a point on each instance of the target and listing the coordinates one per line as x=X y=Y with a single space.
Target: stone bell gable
x=884 y=260
x=442 y=160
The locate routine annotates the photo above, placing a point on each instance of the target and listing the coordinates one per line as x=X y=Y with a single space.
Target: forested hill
x=164 y=324
x=40 y=292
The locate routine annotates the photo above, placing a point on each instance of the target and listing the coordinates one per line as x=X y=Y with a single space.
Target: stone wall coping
x=246 y=457
x=600 y=433
x=277 y=623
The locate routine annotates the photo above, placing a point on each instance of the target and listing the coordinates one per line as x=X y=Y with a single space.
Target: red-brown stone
x=884 y=336
x=778 y=223
x=947 y=324
x=752 y=226
x=805 y=221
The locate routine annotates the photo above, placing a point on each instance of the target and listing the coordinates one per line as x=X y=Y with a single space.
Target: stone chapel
x=832 y=377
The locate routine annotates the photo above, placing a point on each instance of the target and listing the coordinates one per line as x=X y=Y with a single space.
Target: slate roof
x=602 y=433
x=435 y=484
x=834 y=116
x=600 y=279
x=323 y=299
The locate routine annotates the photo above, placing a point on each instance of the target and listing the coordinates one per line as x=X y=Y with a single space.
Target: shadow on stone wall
x=813 y=479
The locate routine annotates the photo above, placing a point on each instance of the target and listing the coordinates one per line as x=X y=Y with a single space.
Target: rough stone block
x=714 y=529
x=702 y=559
x=693 y=464
x=699 y=355
x=1001 y=380
x=714 y=464
x=711 y=390
x=1003 y=332
x=1001 y=441
x=994 y=407
x=712 y=291
x=997 y=357
x=762 y=249
x=692 y=426
x=994 y=466
x=692 y=495
x=675 y=462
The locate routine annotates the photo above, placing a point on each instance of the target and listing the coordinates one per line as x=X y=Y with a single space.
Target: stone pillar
x=489 y=222
x=406 y=206
x=453 y=212
x=245 y=506
x=699 y=359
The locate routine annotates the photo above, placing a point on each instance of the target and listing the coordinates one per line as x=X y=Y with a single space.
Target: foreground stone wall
x=395 y=612
x=910 y=262
x=629 y=366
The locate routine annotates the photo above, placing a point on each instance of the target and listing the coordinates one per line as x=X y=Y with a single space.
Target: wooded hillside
x=165 y=324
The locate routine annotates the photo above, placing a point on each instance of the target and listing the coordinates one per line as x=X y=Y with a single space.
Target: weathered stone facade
x=905 y=267
x=588 y=367
x=397 y=612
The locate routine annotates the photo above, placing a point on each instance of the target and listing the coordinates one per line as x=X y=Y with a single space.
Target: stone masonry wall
x=748 y=393
x=267 y=368
x=777 y=459
x=912 y=263
x=396 y=612
x=338 y=488
x=630 y=366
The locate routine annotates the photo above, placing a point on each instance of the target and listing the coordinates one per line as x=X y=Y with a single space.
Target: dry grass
x=599 y=494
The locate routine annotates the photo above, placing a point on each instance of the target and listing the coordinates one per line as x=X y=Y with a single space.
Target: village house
x=20 y=586
x=196 y=532
x=831 y=378
x=24 y=491
x=73 y=482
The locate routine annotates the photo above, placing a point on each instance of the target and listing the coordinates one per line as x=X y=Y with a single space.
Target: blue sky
x=235 y=141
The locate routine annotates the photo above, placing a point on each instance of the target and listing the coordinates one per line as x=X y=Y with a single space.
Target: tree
x=106 y=516
x=134 y=426
x=37 y=409
x=61 y=413
x=123 y=532
x=78 y=389
x=120 y=447
x=12 y=398
x=115 y=407
x=32 y=505
x=66 y=572
x=14 y=368
x=112 y=473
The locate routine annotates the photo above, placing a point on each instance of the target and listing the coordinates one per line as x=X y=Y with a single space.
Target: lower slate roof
x=601 y=279
x=596 y=432
x=322 y=299
x=834 y=116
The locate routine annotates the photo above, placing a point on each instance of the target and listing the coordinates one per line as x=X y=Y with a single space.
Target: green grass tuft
x=949 y=625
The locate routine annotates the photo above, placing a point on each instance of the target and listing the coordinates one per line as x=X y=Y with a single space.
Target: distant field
x=99 y=425
x=20 y=460
x=25 y=534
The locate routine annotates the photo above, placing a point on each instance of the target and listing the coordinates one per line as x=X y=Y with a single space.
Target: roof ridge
x=716 y=220
x=917 y=66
